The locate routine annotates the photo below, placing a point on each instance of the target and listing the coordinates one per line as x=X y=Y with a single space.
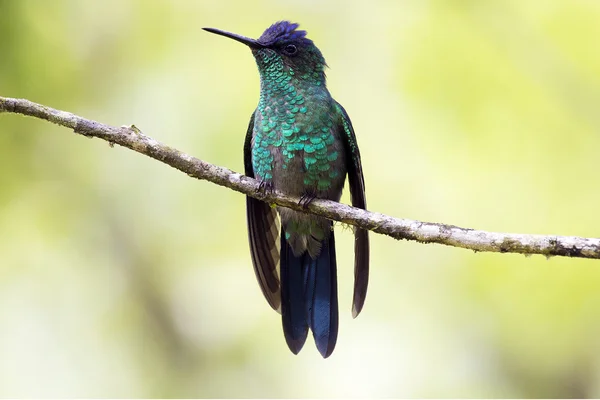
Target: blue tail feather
x=310 y=276
x=309 y=297
x=324 y=315
x=293 y=313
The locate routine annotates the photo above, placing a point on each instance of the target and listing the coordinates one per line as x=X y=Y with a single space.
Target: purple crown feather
x=282 y=31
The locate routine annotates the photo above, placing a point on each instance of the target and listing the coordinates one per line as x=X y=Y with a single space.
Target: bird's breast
x=299 y=149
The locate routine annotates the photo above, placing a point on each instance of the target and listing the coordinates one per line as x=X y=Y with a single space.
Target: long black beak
x=252 y=43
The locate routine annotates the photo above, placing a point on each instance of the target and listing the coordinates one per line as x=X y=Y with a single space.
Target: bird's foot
x=306 y=199
x=265 y=187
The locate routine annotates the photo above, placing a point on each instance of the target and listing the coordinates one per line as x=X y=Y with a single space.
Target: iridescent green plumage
x=300 y=141
x=294 y=114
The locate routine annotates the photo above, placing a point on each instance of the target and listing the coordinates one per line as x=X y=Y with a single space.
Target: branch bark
x=423 y=232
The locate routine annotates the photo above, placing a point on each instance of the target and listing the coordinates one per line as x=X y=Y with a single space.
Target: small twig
x=424 y=232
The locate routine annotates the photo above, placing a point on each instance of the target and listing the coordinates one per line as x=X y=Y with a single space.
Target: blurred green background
x=120 y=276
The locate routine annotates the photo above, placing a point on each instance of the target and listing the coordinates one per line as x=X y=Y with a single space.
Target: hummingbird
x=300 y=141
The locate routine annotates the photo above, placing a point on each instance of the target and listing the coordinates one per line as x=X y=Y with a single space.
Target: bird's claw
x=306 y=199
x=265 y=187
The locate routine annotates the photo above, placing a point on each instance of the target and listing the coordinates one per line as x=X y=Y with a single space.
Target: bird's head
x=282 y=45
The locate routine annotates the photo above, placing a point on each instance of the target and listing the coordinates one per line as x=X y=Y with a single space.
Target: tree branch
x=424 y=232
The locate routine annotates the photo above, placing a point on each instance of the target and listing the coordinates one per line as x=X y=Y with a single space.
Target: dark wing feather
x=357 y=196
x=263 y=234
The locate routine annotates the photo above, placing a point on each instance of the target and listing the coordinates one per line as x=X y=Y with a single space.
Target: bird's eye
x=290 y=49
